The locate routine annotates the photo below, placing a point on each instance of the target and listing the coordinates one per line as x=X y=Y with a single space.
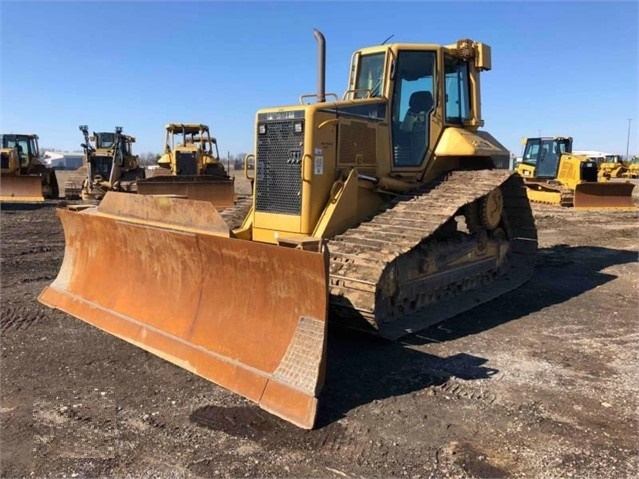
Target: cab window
x=457 y=90
x=531 y=152
x=548 y=159
x=33 y=145
x=413 y=103
x=370 y=75
x=106 y=140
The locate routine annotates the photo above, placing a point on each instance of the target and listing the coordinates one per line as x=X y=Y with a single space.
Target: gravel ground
x=541 y=382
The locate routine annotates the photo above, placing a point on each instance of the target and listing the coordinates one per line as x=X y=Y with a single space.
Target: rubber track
x=359 y=255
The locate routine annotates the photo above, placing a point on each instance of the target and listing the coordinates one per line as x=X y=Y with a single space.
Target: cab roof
x=188 y=128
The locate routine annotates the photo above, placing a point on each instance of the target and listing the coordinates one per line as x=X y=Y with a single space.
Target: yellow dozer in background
x=554 y=175
x=381 y=211
x=192 y=167
x=110 y=165
x=633 y=168
x=23 y=176
x=612 y=166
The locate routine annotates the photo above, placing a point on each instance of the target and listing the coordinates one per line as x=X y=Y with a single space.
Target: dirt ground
x=541 y=382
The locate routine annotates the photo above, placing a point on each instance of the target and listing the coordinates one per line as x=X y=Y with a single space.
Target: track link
x=566 y=195
x=403 y=269
x=234 y=215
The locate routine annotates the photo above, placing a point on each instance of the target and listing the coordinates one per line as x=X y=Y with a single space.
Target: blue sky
x=565 y=68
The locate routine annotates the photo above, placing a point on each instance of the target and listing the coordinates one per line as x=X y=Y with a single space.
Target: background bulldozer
x=612 y=166
x=24 y=176
x=633 y=168
x=383 y=208
x=110 y=165
x=193 y=168
x=554 y=175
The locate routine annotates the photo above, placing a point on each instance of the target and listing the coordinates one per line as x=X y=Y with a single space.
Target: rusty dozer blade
x=164 y=275
x=216 y=190
x=21 y=188
x=604 y=195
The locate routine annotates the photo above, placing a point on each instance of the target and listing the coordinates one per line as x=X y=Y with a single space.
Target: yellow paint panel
x=460 y=142
x=279 y=222
x=341 y=211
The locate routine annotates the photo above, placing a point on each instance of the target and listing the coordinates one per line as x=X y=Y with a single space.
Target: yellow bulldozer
x=24 y=177
x=554 y=175
x=109 y=165
x=380 y=211
x=612 y=166
x=633 y=168
x=192 y=167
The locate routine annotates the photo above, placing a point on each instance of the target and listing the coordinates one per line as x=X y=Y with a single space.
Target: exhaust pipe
x=321 y=65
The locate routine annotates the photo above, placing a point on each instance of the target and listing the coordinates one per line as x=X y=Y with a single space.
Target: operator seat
x=419 y=104
x=413 y=137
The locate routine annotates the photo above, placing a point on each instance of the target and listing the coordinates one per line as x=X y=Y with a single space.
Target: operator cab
x=613 y=159
x=25 y=145
x=544 y=154
x=406 y=76
x=104 y=140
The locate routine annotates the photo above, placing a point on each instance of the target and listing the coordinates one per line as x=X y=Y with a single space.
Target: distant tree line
x=148 y=159
x=232 y=161
x=238 y=161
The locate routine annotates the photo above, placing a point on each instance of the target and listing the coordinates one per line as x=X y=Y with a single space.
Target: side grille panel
x=357 y=138
x=278 y=176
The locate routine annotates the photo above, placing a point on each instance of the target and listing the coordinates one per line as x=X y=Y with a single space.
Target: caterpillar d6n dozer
x=24 y=177
x=383 y=207
x=110 y=165
x=554 y=175
x=193 y=167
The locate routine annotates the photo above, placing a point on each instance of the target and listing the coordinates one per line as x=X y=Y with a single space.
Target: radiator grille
x=186 y=163
x=101 y=165
x=588 y=171
x=278 y=176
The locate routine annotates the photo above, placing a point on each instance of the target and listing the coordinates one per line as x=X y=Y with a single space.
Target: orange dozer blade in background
x=21 y=188
x=218 y=191
x=604 y=195
x=163 y=274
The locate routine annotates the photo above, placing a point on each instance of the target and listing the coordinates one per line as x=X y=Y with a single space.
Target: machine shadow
x=382 y=369
x=362 y=369
x=26 y=206
x=562 y=272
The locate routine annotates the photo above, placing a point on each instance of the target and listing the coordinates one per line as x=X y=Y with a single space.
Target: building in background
x=63 y=160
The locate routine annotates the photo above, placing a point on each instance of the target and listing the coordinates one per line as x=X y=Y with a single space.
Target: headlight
x=261 y=128
x=298 y=127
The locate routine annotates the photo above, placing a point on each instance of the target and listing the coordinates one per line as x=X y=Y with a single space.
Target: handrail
x=314 y=95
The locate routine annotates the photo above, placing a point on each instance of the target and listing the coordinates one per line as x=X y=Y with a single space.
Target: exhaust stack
x=321 y=65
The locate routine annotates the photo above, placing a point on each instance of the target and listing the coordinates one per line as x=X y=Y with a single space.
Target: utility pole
x=628 y=140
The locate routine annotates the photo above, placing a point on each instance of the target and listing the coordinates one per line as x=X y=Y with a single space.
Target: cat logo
x=294 y=157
